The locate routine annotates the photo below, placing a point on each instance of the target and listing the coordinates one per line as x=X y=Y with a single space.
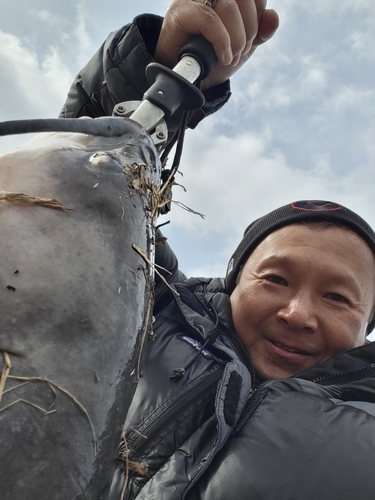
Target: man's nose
x=300 y=313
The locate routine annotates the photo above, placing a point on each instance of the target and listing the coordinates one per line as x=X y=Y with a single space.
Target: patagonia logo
x=198 y=346
x=316 y=206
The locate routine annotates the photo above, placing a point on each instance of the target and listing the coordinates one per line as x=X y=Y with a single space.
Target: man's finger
x=268 y=24
x=240 y=18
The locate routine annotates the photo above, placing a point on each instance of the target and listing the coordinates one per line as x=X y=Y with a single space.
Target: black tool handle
x=202 y=51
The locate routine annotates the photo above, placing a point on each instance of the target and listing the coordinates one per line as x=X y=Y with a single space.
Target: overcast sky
x=300 y=123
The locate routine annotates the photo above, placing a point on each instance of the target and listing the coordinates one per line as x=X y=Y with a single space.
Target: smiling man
x=249 y=378
x=307 y=291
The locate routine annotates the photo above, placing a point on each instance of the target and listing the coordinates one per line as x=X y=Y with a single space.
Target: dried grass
x=126 y=465
x=24 y=199
x=5 y=373
x=15 y=387
x=154 y=267
x=185 y=207
x=46 y=412
x=147 y=325
x=5 y=376
x=148 y=318
x=129 y=465
x=140 y=179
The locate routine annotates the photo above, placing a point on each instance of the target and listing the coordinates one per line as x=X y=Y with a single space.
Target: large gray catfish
x=75 y=307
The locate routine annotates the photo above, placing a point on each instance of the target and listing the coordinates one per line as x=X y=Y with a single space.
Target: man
x=218 y=411
x=305 y=292
x=259 y=385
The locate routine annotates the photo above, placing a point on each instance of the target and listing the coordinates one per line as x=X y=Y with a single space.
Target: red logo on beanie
x=316 y=206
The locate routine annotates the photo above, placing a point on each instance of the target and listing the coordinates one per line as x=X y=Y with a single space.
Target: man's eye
x=336 y=297
x=276 y=279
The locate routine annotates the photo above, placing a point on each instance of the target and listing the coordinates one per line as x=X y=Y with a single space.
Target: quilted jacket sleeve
x=116 y=73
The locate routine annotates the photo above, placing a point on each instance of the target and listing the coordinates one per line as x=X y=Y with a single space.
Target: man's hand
x=234 y=27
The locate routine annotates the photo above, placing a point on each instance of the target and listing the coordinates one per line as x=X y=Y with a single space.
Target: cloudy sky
x=300 y=123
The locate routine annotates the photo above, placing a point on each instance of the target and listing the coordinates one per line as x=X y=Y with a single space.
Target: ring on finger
x=210 y=3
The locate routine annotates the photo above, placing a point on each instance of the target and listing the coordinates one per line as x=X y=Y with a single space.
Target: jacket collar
x=358 y=360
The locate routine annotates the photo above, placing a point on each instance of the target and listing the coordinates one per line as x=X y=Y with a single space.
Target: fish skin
x=65 y=322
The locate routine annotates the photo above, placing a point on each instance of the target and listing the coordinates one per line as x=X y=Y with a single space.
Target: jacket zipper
x=163 y=419
x=345 y=374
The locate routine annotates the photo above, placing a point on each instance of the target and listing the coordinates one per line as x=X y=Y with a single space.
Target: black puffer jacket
x=192 y=392
x=212 y=433
x=198 y=423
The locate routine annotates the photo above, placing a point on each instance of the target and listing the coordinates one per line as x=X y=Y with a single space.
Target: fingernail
x=236 y=60
x=228 y=57
x=248 y=46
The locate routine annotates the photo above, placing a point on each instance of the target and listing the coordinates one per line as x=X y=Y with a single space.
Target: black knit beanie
x=299 y=211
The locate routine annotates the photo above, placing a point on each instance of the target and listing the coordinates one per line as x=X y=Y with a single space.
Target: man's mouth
x=292 y=350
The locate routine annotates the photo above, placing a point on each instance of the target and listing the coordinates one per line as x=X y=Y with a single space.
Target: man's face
x=304 y=295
